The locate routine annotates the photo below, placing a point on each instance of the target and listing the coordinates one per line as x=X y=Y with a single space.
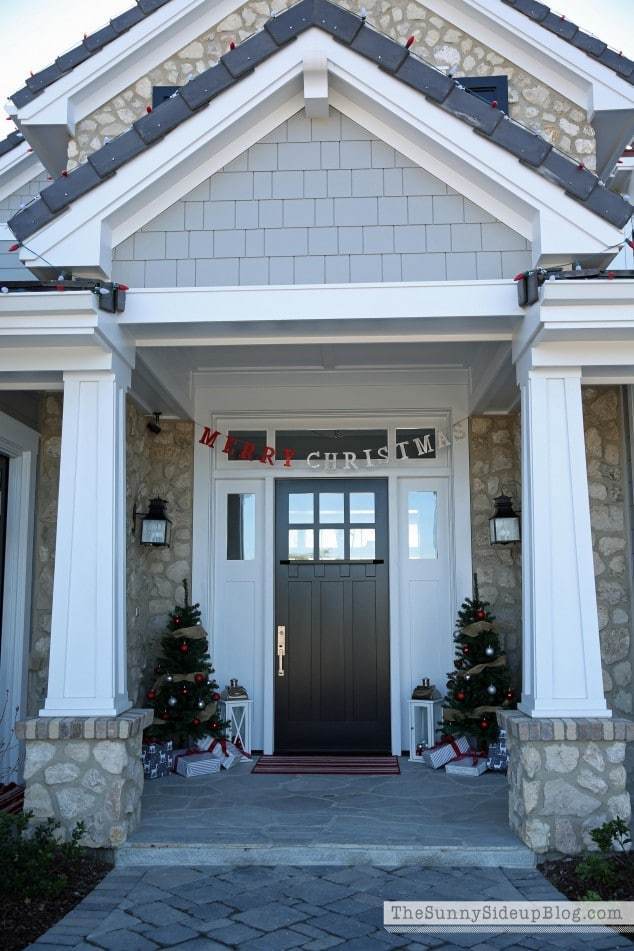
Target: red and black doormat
x=327 y=766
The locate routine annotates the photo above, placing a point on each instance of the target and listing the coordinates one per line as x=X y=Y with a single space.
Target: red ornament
x=215 y=696
x=480 y=614
x=183 y=647
x=195 y=722
x=466 y=648
x=178 y=620
x=151 y=694
x=199 y=679
x=165 y=715
x=460 y=695
x=484 y=724
x=214 y=724
x=184 y=690
x=509 y=694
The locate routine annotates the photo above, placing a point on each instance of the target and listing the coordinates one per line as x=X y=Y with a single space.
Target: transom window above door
x=331 y=525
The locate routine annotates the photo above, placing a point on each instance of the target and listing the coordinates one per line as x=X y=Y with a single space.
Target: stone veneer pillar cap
x=122 y=727
x=519 y=726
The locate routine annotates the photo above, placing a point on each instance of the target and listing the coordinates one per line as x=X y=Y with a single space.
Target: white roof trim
x=18 y=167
x=83 y=236
x=542 y=54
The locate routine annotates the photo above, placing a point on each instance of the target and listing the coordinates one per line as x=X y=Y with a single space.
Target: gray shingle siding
x=366 y=214
x=21 y=197
x=10 y=267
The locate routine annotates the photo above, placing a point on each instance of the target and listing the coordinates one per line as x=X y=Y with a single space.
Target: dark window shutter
x=161 y=93
x=489 y=88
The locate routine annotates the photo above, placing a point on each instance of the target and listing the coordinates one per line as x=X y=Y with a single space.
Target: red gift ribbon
x=212 y=746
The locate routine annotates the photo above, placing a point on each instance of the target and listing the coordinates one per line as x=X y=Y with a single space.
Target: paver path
x=278 y=908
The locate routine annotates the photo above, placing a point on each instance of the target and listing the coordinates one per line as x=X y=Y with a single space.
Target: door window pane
x=331 y=507
x=305 y=441
x=361 y=543
x=248 y=447
x=421 y=525
x=301 y=544
x=362 y=507
x=300 y=508
x=240 y=527
x=331 y=544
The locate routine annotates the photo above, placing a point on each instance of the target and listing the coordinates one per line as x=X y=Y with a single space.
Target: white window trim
x=20 y=444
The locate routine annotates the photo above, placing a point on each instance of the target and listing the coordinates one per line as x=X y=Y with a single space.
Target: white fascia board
x=437 y=141
x=542 y=54
x=121 y=63
x=594 y=312
x=18 y=167
x=68 y=320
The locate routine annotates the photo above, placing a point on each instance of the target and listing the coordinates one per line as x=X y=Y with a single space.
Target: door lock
x=281 y=649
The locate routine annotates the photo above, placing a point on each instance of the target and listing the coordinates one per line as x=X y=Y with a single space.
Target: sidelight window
x=422 y=525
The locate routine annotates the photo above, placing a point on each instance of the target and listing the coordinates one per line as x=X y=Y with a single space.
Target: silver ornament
x=201 y=704
x=172 y=701
x=492 y=690
x=169 y=678
x=467 y=676
x=489 y=650
x=210 y=678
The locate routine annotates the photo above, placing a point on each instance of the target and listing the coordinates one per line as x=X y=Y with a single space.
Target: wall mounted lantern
x=156 y=528
x=504 y=524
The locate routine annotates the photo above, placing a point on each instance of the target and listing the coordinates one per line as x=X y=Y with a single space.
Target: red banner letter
x=208 y=438
x=248 y=451
x=268 y=456
x=229 y=444
x=288 y=455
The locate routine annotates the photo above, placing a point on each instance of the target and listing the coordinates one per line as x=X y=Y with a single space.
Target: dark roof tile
x=169 y=114
x=22 y=97
x=11 y=142
x=531 y=8
x=126 y=20
x=429 y=81
x=588 y=44
x=149 y=6
x=380 y=49
x=528 y=147
x=575 y=179
x=246 y=56
x=617 y=62
x=560 y=26
x=200 y=91
x=72 y=58
x=609 y=205
x=478 y=113
x=340 y=23
x=113 y=155
x=289 y=25
x=67 y=188
x=30 y=219
x=44 y=78
x=97 y=41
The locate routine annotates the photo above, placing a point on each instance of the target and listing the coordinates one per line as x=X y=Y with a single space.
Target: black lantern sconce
x=156 y=527
x=504 y=524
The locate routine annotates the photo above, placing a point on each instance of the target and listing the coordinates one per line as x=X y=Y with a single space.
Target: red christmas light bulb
x=199 y=679
x=183 y=647
x=151 y=695
x=460 y=695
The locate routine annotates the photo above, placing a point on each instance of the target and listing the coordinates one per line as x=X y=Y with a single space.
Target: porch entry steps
x=327 y=765
x=134 y=854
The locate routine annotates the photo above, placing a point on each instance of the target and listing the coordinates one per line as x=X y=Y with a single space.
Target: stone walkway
x=278 y=908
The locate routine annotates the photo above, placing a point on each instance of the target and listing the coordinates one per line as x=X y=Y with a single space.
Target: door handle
x=281 y=649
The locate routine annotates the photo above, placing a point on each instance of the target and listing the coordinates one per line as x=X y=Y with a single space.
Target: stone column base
x=566 y=777
x=88 y=769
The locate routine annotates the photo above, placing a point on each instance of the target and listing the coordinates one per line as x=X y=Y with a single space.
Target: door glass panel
x=301 y=544
x=362 y=507
x=361 y=543
x=421 y=525
x=331 y=508
x=240 y=527
x=300 y=508
x=331 y=544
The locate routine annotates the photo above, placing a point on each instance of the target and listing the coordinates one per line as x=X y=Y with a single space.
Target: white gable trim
x=542 y=54
x=84 y=235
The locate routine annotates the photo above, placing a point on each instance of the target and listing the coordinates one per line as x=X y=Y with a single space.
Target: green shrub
x=34 y=863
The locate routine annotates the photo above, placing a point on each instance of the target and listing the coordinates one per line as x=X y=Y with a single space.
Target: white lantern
x=238 y=713
x=424 y=717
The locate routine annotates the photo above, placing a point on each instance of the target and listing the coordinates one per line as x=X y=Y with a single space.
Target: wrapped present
x=445 y=750
x=193 y=763
x=227 y=752
x=157 y=759
x=470 y=764
x=498 y=757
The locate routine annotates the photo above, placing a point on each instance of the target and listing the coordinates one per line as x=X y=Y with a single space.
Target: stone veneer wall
x=494 y=454
x=156 y=465
x=495 y=463
x=561 y=121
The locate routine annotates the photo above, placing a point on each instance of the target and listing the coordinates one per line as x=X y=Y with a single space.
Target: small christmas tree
x=480 y=683
x=184 y=696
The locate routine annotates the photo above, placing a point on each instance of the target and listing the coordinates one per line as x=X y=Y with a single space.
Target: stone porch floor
x=420 y=817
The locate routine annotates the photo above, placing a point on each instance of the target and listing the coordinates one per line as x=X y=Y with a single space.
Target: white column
x=87 y=669
x=561 y=648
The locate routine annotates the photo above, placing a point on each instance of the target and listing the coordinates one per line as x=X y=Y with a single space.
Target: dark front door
x=332 y=616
